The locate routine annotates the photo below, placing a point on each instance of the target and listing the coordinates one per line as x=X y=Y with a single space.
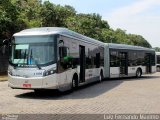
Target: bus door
x=82 y=63
x=148 y=63
x=123 y=57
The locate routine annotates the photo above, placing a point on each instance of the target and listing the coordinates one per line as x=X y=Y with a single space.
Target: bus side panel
x=94 y=59
x=67 y=69
x=114 y=72
x=154 y=69
x=132 y=70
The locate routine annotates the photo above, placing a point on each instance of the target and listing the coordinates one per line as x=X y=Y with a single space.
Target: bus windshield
x=33 y=50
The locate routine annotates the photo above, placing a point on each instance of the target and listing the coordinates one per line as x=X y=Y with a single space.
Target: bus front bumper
x=48 y=82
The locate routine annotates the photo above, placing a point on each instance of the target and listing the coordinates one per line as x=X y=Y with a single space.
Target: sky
x=140 y=17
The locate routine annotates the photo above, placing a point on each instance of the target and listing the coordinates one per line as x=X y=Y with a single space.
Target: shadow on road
x=84 y=92
x=146 y=77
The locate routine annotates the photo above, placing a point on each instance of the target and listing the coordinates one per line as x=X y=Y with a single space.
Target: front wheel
x=138 y=73
x=74 y=83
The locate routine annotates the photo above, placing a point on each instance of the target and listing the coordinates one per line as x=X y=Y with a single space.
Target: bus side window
x=97 y=60
x=65 y=58
x=62 y=52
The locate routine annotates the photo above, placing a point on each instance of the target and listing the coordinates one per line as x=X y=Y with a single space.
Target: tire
x=74 y=83
x=101 y=77
x=138 y=73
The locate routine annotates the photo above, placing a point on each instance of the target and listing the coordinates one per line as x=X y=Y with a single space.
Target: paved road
x=129 y=95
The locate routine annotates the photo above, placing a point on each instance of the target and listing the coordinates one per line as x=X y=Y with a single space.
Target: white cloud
x=135 y=8
x=138 y=18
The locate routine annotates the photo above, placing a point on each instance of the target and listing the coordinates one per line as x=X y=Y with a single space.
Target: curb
x=3 y=80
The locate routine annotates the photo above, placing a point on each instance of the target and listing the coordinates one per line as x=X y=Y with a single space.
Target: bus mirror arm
x=5 y=43
x=3 y=49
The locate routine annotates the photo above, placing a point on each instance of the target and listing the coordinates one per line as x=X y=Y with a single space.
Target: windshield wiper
x=31 y=58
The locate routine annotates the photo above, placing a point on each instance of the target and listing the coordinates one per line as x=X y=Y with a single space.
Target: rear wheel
x=75 y=82
x=101 y=77
x=138 y=73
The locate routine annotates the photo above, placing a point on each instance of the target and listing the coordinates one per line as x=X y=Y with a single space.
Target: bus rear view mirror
x=6 y=42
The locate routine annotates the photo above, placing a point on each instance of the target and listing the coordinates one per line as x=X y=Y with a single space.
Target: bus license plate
x=27 y=85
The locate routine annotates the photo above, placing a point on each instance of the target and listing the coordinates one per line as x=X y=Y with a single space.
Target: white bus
x=57 y=58
x=158 y=61
x=126 y=60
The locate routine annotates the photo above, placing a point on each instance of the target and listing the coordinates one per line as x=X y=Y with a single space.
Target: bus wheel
x=75 y=82
x=101 y=77
x=138 y=73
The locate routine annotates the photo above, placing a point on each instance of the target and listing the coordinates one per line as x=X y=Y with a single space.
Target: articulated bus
x=58 y=58
x=158 y=61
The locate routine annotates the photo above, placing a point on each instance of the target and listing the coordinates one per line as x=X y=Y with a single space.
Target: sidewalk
x=3 y=77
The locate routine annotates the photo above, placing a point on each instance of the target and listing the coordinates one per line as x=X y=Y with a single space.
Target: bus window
x=62 y=52
x=97 y=60
x=114 y=58
x=65 y=59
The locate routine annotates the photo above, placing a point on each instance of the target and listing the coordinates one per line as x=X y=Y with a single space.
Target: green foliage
x=29 y=12
x=55 y=15
x=138 y=40
x=90 y=25
x=157 y=49
x=8 y=19
x=16 y=15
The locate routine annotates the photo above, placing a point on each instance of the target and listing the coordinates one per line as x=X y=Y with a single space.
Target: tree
x=138 y=40
x=29 y=12
x=90 y=25
x=16 y=15
x=9 y=19
x=55 y=15
x=157 y=49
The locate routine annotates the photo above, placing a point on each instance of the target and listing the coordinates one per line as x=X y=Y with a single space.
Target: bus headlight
x=49 y=72
x=10 y=71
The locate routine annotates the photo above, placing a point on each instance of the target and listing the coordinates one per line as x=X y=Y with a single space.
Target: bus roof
x=40 y=31
x=124 y=46
x=55 y=30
